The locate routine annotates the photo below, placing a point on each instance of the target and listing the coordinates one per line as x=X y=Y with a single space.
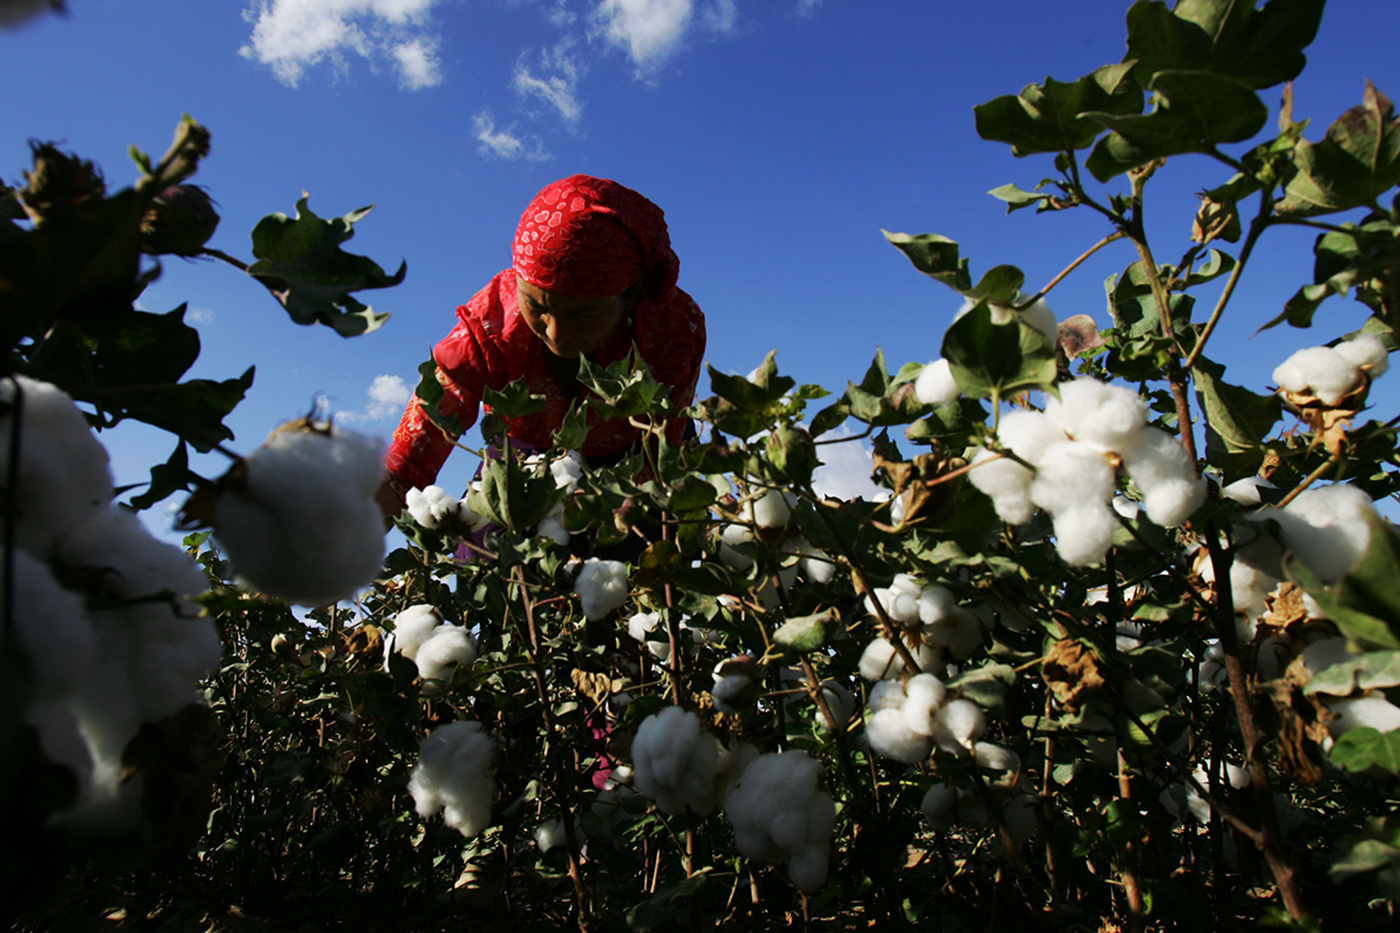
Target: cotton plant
x=779 y=813
x=298 y=517
x=433 y=507
x=453 y=777
x=1074 y=449
x=1331 y=374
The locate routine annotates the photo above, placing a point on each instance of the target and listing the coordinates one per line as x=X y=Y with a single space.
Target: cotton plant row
x=101 y=609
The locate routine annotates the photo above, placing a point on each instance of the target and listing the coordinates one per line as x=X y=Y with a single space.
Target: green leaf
x=1370 y=671
x=1366 y=856
x=986 y=686
x=804 y=634
x=998 y=285
x=1238 y=419
x=194 y=410
x=431 y=393
x=514 y=400
x=1357 y=161
x=997 y=360
x=167 y=478
x=1363 y=747
x=935 y=256
x=300 y=261
x=1257 y=47
x=1133 y=307
x=573 y=429
x=1364 y=257
x=1049 y=117
x=792 y=454
x=1193 y=112
x=1016 y=199
x=662 y=912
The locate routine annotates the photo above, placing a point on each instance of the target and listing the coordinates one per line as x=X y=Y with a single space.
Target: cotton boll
x=567 y=470
x=899 y=606
x=1246 y=491
x=1104 y=416
x=552 y=526
x=431 y=505
x=1083 y=535
x=958 y=725
x=52 y=628
x=815 y=563
x=550 y=834
x=842 y=704
x=1020 y=818
x=1365 y=351
x=1040 y=317
x=1163 y=470
x=446 y=649
x=768 y=591
x=1375 y=712
x=778 y=813
x=1029 y=434
x=63 y=475
x=301 y=523
x=1126 y=508
x=886 y=694
x=773 y=509
x=732 y=536
x=730 y=692
x=1072 y=475
x=1006 y=482
x=60 y=740
x=601 y=586
x=924 y=695
x=453 y=775
x=1322 y=371
x=675 y=762
x=1326 y=652
x=1326 y=528
x=412 y=627
x=936 y=385
x=995 y=757
x=889 y=735
x=936 y=603
x=962 y=634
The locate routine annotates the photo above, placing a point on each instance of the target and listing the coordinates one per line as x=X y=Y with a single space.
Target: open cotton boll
x=732 y=536
x=301 y=523
x=735 y=681
x=940 y=806
x=1038 y=315
x=552 y=526
x=1326 y=528
x=412 y=627
x=1029 y=434
x=1326 y=652
x=1365 y=351
x=995 y=757
x=550 y=834
x=842 y=704
x=1375 y=712
x=961 y=634
x=675 y=762
x=816 y=564
x=1321 y=371
x=885 y=694
x=958 y=725
x=936 y=603
x=1072 y=475
x=52 y=627
x=900 y=600
x=1246 y=491
x=431 y=505
x=60 y=740
x=63 y=474
x=773 y=509
x=567 y=470
x=446 y=649
x=1020 y=818
x=601 y=586
x=1097 y=413
x=1163 y=470
x=923 y=697
x=935 y=385
x=1006 y=482
x=1084 y=534
x=108 y=719
x=453 y=775
x=881 y=661
x=778 y=814
x=889 y=735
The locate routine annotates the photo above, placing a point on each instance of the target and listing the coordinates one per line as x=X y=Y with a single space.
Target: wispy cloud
x=387 y=397
x=807 y=7
x=504 y=143
x=199 y=315
x=291 y=36
x=651 y=31
x=557 y=83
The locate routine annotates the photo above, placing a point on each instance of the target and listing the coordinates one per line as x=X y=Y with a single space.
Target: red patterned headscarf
x=589 y=237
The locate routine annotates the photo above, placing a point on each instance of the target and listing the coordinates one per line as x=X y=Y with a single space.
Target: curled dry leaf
x=1071 y=670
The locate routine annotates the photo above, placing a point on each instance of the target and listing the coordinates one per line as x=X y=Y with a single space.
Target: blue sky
x=779 y=136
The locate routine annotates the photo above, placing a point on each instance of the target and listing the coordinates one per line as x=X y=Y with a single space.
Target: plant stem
x=1256 y=229
x=1045 y=290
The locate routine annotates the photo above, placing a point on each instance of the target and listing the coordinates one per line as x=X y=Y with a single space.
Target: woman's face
x=569 y=326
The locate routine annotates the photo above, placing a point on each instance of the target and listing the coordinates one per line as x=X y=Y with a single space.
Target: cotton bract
x=300 y=522
x=453 y=776
x=778 y=814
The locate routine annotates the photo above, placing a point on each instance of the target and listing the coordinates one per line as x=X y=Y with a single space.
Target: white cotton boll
x=1272 y=657
x=886 y=694
x=303 y=525
x=936 y=603
x=816 y=564
x=773 y=509
x=1246 y=491
x=642 y=625
x=1326 y=652
x=767 y=591
x=1211 y=673
x=995 y=757
x=1029 y=434
x=889 y=735
x=923 y=697
x=778 y=814
x=1375 y=712
x=63 y=475
x=1163 y=470
x=1006 y=482
x=1083 y=535
x=1365 y=350
x=940 y=806
x=412 y=627
x=1325 y=528
x=453 y=775
x=550 y=834
x=446 y=649
x=108 y=719
x=1039 y=316
x=601 y=586
x=1329 y=375
x=675 y=762
x=936 y=385
x=958 y=725
x=431 y=505
x=52 y=627
x=961 y=635
x=567 y=470
x=880 y=661
x=552 y=526
x=1072 y=475
x=729 y=692
x=1096 y=413
x=1126 y=508
x=732 y=536
x=841 y=703
x=900 y=607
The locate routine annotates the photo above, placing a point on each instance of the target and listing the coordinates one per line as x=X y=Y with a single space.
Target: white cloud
x=418 y=64
x=199 y=315
x=845 y=470
x=559 y=89
x=650 y=30
x=720 y=16
x=290 y=36
x=807 y=7
x=387 y=397
x=504 y=143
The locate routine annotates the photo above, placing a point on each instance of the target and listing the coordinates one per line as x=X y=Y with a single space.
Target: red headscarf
x=589 y=237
